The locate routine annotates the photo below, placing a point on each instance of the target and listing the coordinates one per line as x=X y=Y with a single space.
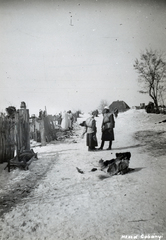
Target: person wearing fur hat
x=90 y=128
x=107 y=128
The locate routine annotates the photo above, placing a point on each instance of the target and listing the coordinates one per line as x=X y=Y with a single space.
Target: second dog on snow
x=119 y=165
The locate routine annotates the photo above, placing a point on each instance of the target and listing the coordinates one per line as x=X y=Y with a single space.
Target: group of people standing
x=107 y=129
x=67 y=120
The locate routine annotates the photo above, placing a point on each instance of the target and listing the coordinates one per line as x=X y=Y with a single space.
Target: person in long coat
x=107 y=128
x=70 y=117
x=65 y=121
x=91 y=129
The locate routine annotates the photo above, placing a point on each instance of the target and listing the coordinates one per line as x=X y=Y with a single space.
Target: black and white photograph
x=82 y=119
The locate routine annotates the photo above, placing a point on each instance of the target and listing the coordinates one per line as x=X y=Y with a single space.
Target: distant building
x=120 y=105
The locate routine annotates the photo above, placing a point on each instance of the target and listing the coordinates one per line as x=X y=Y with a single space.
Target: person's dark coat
x=90 y=129
x=108 y=125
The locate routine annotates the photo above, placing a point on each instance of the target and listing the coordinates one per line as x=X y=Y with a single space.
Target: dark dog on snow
x=22 y=160
x=119 y=165
x=119 y=156
x=26 y=155
x=123 y=155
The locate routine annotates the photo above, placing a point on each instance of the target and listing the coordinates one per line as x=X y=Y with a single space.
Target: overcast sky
x=72 y=54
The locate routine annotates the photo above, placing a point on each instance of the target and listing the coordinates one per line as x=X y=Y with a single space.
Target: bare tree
x=152 y=73
x=103 y=103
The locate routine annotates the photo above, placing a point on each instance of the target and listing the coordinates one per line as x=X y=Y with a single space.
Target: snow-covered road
x=68 y=205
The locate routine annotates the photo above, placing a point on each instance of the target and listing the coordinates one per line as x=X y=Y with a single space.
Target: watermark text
x=143 y=236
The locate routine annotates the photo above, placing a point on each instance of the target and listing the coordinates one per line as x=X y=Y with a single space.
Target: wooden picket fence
x=22 y=130
x=7 y=141
x=42 y=129
x=14 y=134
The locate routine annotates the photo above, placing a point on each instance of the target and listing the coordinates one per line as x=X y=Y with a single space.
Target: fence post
x=42 y=132
x=22 y=130
x=7 y=144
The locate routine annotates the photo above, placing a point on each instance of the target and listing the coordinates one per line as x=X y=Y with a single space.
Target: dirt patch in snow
x=20 y=183
x=15 y=191
x=154 y=142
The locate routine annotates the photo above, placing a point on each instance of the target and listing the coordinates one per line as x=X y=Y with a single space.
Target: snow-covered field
x=64 y=204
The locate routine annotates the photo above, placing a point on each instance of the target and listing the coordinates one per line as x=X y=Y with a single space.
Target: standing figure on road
x=70 y=116
x=91 y=129
x=59 y=118
x=65 y=121
x=107 y=128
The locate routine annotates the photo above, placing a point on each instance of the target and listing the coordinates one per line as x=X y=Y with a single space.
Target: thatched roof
x=120 y=105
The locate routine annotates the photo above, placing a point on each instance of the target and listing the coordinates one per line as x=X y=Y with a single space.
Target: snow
x=65 y=204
